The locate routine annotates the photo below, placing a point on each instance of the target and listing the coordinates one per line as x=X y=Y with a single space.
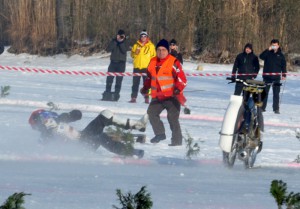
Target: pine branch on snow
x=193 y=149
x=5 y=91
x=141 y=200
x=14 y=201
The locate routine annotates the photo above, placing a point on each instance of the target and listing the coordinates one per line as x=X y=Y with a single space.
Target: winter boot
x=133 y=100
x=131 y=124
x=158 y=138
x=139 y=124
x=138 y=152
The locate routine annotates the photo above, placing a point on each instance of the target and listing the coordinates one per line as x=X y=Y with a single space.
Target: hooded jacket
x=246 y=64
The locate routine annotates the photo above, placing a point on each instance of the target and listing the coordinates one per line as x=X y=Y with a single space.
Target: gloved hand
x=233 y=78
x=176 y=91
x=144 y=91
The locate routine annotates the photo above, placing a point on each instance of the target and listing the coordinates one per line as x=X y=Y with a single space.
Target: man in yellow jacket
x=142 y=52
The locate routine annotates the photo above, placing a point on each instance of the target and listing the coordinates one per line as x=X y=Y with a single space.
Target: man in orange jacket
x=167 y=80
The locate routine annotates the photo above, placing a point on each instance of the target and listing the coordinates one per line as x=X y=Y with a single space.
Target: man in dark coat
x=174 y=51
x=1 y=48
x=275 y=63
x=56 y=126
x=245 y=63
x=118 y=48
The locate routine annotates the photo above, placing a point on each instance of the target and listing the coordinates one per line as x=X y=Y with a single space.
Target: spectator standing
x=274 y=62
x=118 y=48
x=142 y=52
x=245 y=63
x=1 y=48
x=174 y=51
x=166 y=80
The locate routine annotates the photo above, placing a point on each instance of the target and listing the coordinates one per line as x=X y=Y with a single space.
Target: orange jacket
x=165 y=78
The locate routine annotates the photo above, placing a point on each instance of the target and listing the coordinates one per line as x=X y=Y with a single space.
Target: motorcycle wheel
x=252 y=153
x=229 y=157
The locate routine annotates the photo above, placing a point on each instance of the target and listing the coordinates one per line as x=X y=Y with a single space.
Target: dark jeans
x=118 y=67
x=276 y=90
x=173 y=111
x=136 y=81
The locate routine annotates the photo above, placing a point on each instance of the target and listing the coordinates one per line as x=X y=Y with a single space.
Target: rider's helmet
x=39 y=117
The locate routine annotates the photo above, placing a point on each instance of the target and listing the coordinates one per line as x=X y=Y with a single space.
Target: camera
x=122 y=36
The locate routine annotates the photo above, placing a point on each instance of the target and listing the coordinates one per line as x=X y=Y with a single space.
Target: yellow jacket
x=142 y=59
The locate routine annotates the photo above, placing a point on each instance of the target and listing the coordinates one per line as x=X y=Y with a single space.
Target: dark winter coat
x=246 y=64
x=1 y=48
x=274 y=63
x=177 y=55
x=118 y=50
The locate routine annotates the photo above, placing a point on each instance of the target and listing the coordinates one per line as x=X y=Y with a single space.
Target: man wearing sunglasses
x=142 y=52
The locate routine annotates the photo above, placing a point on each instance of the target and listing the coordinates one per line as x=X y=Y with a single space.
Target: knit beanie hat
x=164 y=43
x=173 y=41
x=144 y=33
x=121 y=32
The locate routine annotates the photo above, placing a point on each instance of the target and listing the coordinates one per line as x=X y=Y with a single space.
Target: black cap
x=164 y=43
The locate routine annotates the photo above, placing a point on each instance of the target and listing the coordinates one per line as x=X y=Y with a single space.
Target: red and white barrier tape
x=93 y=73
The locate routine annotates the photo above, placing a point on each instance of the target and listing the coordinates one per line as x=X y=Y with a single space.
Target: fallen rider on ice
x=53 y=125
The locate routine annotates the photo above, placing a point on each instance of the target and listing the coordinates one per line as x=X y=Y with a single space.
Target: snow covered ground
x=65 y=176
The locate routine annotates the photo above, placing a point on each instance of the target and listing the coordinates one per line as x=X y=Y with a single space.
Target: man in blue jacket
x=274 y=71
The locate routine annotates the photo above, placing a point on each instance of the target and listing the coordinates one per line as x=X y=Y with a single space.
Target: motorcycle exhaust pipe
x=243 y=155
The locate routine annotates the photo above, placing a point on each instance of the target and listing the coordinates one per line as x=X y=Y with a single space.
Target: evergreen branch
x=14 y=201
x=278 y=191
x=4 y=91
x=141 y=200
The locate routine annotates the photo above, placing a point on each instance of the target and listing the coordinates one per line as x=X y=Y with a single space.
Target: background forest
x=203 y=28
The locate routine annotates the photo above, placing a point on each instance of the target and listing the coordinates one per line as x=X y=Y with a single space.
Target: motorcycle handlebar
x=246 y=82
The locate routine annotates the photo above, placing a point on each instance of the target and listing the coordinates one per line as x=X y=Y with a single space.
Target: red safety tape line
x=93 y=73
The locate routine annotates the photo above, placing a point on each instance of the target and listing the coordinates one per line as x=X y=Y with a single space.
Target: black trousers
x=93 y=136
x=118 y=67
x=173 y=111
x=136 y=81
x=276 y=90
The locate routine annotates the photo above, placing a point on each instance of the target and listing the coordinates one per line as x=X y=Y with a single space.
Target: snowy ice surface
x=67 y=176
